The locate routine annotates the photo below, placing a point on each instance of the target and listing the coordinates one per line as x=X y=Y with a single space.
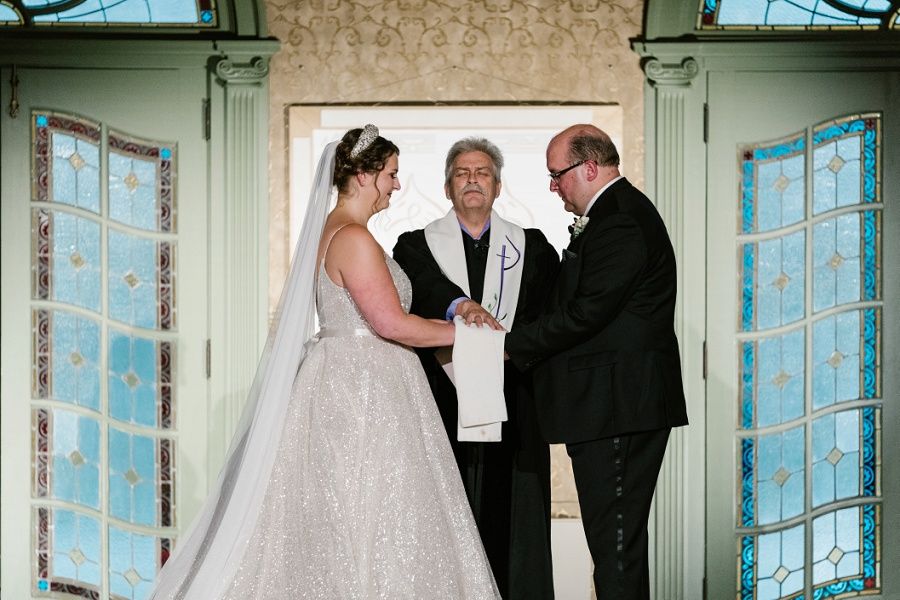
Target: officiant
x=474 y=264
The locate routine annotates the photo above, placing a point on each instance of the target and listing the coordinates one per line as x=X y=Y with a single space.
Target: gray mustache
x=474 y=187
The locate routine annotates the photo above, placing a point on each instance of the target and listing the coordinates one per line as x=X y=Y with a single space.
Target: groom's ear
x=499 y=187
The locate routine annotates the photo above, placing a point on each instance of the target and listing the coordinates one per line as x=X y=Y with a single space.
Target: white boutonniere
x=578 y=226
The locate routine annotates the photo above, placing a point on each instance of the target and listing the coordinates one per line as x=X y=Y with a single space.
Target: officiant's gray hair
x=473 y=144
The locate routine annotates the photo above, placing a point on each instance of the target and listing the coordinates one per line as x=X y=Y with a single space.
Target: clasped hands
x=475 y=314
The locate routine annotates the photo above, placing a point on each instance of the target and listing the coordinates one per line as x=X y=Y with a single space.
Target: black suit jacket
x=605 y=356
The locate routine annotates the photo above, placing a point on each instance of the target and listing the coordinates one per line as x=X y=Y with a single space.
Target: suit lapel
x=569 y=276
x=605 y=206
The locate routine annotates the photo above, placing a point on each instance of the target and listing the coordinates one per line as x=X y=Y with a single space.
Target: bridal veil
x=208 y=554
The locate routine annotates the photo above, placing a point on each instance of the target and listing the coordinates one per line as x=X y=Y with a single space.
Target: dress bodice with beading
x=337 y=310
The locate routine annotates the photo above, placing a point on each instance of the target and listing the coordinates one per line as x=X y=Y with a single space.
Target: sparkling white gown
x=365 y=500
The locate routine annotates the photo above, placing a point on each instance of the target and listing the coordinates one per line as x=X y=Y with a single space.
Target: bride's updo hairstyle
x=361 y=150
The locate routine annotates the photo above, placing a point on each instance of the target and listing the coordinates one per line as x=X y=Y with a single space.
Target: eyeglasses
x=555 y=175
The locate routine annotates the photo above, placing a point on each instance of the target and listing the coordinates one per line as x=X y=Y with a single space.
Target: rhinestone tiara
x=368 y=135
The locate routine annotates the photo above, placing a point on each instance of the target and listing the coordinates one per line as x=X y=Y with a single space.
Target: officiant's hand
x=474 y=313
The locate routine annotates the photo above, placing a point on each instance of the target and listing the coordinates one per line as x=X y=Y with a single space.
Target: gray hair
x=598 y=148
x=473 y=144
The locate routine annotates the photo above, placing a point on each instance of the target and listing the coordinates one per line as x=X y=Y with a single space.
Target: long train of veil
x=208 y=555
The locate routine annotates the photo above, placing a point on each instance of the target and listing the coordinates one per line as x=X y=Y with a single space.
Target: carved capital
x=660 y=73
x=240 y=73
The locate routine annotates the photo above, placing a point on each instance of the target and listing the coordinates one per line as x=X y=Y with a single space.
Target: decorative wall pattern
x=433 y=51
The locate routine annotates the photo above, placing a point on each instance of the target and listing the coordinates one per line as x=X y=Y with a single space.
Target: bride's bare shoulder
x=353 y=241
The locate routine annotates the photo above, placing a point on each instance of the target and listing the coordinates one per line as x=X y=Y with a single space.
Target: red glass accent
x=41 y=164
x=43 y=231
x=165 y=385
x=166 y=203
x=166 y=485
x=165 y=549
x=75 y=590
x=74 y=127
x=748 y=155
x=41 y=358
x=43 y=543
x=41 y=452
x=166 y=291
x=869 y=583
x=205 y=4
x=708 y=18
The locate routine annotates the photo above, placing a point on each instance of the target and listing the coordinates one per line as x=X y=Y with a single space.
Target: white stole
x=478 y=393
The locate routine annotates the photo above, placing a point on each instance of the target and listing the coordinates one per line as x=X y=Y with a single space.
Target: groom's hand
x=472 y=312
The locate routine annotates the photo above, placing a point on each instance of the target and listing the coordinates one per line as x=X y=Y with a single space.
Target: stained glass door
x=802 y=404
x=104 y=328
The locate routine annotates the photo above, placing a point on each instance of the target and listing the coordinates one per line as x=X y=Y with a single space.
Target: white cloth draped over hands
x=477 y=373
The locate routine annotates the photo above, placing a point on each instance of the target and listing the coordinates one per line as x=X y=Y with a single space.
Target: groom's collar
x=600 y=193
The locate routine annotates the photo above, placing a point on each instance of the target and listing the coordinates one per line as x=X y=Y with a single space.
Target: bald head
x=587 y=142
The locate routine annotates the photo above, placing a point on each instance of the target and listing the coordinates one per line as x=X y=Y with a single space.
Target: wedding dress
x=365 y=500
x=340 y=482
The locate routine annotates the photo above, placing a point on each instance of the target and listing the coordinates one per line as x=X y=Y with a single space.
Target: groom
x=474 y=264
x=607 y=373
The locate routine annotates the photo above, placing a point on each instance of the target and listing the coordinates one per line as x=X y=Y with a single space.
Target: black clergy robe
x=507 y=482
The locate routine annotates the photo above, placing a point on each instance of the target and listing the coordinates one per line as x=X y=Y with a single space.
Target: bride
x=340 y=481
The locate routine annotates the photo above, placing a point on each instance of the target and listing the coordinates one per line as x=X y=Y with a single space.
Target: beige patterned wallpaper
x=435 y=51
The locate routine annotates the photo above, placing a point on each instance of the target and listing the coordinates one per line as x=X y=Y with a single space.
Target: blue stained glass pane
x=748 y=278
x=76 y=261
x=780 y=389
x=780 y=193
x=76 y=547
x=872 y=350
x=741 y=12
x=836 y=546
x=747 y=568
x=792 y=13
x=871 y=257
x=8 y=14
x=133 y=279
x=837 y=177
x=75 y=343
x=772 y=185
x=836 y=258
x=836 y=361
x=849 y=177
x=780 y=475
x=132 y=477
x=75 y=471
x=76 y=172
x=848 y=271
x=747 y=384
x=780 y=563
x=794 y=249
x=132 y=563
x=133 y=191
x=130 y=11
x=836 y=457
x=133 y=389
x=779 y=284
